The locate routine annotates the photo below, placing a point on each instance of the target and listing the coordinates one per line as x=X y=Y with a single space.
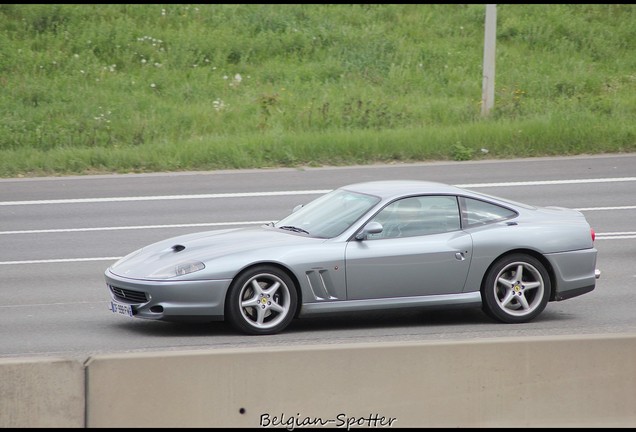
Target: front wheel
x=516 y=289
x=261 y=301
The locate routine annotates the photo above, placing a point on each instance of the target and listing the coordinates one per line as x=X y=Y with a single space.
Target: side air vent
x=178 y=248
x=321 y=284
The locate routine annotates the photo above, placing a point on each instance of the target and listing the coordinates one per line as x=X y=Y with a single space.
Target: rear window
x=476 y=212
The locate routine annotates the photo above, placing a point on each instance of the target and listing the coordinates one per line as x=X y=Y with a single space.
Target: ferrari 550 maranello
x=366 y=246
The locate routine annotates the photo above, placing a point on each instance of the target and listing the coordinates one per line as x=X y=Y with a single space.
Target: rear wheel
x=261 y=301
x=516 y=289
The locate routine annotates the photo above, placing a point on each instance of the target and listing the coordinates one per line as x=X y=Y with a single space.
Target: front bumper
x=170 y=301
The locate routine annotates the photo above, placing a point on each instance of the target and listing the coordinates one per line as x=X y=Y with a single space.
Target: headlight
x=188 y=267
x=180 y=269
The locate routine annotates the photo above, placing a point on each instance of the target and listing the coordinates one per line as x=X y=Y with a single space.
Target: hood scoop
x=178 y=248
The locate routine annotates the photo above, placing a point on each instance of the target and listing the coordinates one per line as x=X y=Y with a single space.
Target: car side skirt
x=472 y=299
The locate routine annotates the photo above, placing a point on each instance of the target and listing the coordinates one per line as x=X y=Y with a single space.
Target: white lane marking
x=606 y=208
x=301 y=192
x=52 y=304
x=599 y=236
x=59 y=260
x=616 y=237
x=164 y=197
x=139 y=227
x=210 y=224
x=549 y=182
x=618 y=233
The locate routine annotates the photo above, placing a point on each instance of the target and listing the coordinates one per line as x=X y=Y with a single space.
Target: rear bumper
x=564 y=295
x=574 y=273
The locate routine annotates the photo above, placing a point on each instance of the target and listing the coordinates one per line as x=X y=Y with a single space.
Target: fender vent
x=321 y=284
x=178 y=248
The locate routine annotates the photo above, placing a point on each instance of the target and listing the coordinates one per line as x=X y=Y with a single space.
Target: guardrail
x=552 y=381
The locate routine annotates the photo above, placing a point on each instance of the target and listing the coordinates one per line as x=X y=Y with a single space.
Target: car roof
x=394 y=188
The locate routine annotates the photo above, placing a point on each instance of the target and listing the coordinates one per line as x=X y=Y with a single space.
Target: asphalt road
x=58 y=236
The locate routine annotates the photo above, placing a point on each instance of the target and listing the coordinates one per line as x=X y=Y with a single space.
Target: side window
x=478 y=212
x=442 y=214
x=416 y=216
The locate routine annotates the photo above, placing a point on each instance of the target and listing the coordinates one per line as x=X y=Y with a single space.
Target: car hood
x=148 y=262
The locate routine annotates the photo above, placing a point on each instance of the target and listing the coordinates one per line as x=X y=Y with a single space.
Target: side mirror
x=298 y=207
x=370 y=228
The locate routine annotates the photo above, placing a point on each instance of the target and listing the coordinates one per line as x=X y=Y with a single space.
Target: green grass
x=137 y=88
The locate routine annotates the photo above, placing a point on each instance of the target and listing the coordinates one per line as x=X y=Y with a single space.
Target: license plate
x=120 y=308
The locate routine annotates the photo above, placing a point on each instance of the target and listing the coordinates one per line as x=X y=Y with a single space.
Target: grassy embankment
x=136 y=88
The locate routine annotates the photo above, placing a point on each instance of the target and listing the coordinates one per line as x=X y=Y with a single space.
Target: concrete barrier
x=560 y=381
x=43 y=392
x=580 y=381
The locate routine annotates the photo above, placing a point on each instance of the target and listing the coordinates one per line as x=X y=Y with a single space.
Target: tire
x=510 y=299
x=261 y=301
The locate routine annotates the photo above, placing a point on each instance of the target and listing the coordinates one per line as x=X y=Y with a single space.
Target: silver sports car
x=375 y=245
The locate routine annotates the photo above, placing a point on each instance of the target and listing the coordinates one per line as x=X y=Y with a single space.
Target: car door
x=432 y=259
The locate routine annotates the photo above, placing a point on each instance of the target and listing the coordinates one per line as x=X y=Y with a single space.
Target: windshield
x=330 y=215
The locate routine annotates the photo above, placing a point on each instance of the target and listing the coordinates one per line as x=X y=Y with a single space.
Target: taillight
x=593 y=234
